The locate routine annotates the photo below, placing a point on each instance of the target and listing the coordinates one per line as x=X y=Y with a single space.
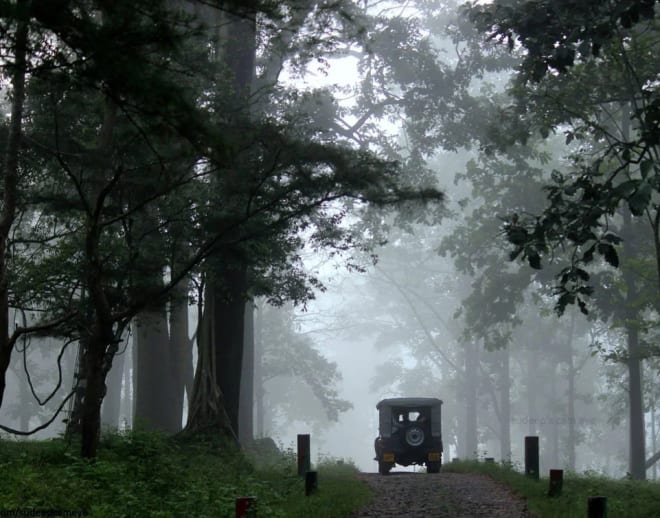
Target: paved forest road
x=442 y=495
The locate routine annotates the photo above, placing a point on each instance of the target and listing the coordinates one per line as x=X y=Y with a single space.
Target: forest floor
x=141 y=474
x=145 y=475
x=440 y=495
x=625 y=498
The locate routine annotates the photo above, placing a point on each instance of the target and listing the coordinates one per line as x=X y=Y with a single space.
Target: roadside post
x=532 y=457
x=303 y=454
x=311 y=483
x=596 y=507
x=556 y=482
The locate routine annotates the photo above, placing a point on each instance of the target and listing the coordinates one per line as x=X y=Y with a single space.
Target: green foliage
x=337 y=496
x=588 y=71
x=558 y=33
x=146 y=474
x=291 y=361
x=625 y=498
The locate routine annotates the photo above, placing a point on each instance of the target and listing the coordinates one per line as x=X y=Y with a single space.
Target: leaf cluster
x=588 y=72
x=558 y=34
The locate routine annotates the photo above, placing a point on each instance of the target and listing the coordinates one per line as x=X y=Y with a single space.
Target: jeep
x=409 y=433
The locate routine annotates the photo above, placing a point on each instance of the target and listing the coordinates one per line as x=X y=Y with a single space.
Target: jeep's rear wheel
x=384 y=467
x=433 y=467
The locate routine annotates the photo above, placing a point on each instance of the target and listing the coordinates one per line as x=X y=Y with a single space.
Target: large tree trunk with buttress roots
x=206 y=413
x=227 y=288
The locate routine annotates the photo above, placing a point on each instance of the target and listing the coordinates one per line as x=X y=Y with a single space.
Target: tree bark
x=112 y=400
x=97 y=332
x=10 y=177
x=654 y=445
x=155 y=386
x=554 y=437
x=75 y=415
x=128 y=407
x=636 y=402
x=246 y=405
x=207 y=413
x=180 y=348
x=572 y=431
x=471 y=382
x=259 y=389
x=101 y=347
x=228 y=330
x=231 y=281
x=93 y=394
x=531 y=382
x=636 y=415
x=505 y=406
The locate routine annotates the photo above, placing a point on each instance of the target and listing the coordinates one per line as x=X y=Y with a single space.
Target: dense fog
x=452 y=219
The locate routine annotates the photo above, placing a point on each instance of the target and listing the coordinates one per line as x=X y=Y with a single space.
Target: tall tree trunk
x=637 y=461
x=154 y=390
x=572 y=431
x=93 y=395
x=654 y=444
x=128 y=407
x=206 y=413
x=10 y=178
x=635 y=392
x=134 y=370
x=230 y=283
x=471 y=382
x=228 y=330
x=112 y=399
x=505 y=406
x=74 y=421
x=636 y=415
x=98 y=337
x=180 y=347
x=25 y=398
x=259 y=390
x=101 y=347
x=531 y=383
x=246 y=406
x=554 y=430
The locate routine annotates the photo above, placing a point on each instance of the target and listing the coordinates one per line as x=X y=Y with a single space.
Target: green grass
x=147 y=475
x=625 y=498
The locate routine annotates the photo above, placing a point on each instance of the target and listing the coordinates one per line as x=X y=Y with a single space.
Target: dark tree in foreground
x=152 y=152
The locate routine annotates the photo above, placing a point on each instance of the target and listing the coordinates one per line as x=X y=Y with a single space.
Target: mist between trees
x=200 y=235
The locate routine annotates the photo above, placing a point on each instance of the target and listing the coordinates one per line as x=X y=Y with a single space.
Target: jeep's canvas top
x=409 y=402
x=387 y=406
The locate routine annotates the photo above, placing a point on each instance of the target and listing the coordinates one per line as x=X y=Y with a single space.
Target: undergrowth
x=625 y=498
x=142 y=474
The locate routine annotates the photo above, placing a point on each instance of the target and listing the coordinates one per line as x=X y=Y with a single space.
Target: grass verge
x=625 y=498
x=141 y=474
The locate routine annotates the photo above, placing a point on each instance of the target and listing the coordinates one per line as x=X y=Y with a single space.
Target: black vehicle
x=409 y=433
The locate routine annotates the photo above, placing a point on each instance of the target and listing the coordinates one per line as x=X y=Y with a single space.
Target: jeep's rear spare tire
x=414 y=436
